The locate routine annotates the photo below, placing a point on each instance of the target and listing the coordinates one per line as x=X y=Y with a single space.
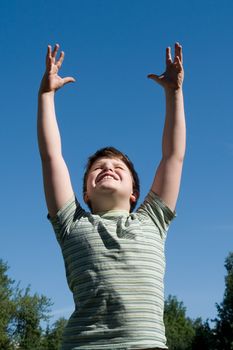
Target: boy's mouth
x=106 y=176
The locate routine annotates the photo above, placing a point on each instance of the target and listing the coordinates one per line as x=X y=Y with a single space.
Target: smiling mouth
x=106 y=177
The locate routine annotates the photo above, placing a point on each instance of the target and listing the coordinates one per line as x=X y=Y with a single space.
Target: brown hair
x=111 y=152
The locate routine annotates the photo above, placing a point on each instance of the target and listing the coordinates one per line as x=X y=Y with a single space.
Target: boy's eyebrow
x=122 y=164
x=115 y=162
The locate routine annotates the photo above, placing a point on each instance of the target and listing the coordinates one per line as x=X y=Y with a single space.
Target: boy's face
x=109 y=177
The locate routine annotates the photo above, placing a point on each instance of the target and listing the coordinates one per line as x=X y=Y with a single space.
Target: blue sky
x=110 y=48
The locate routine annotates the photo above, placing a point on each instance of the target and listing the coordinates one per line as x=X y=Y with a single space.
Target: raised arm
x=57 y=184
x=168 y=175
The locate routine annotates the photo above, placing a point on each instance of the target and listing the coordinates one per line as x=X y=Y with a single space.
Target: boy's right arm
x=57 y=184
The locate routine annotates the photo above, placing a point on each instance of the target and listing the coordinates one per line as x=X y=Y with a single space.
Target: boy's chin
x=105 y=187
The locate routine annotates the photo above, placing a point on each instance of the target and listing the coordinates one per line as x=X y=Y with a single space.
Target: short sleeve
x=65 y=218
x=154 y=208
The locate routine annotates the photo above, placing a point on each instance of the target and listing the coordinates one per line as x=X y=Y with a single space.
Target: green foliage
x=53 y=337
x=184 y=334
x=20 y=315
x=204 y=336
x=30 y=311
x=224 y=322
x=7 y=307
x=179 y=328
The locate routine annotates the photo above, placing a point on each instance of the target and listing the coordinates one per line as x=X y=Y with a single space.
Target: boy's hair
x=111 y=152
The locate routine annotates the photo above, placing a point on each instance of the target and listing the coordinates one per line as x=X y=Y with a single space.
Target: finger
x=178 y=51
x=179 y=63
x=181 y=54
x=61 y=59
x=68 y=80
x=168 y=56
x=49 y=51
x=55 y=50
x=155 y=77
x=48 y=56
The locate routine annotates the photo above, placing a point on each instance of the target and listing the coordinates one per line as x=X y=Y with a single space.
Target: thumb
x=68 y=80
x=155 y=77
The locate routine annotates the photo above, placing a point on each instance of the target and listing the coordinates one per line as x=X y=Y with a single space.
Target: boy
x=114 y=258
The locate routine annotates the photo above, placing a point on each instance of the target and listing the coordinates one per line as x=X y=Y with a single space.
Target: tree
x=204 y=336
x=20 y=314
x=30 y=311
x=7 y=307
x=179 y=329
x=224 y=322
x=53 y=337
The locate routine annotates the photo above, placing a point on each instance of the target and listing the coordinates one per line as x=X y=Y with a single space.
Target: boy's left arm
x=168 y=175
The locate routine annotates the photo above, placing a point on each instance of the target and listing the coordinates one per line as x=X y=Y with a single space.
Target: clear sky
x=111 y=46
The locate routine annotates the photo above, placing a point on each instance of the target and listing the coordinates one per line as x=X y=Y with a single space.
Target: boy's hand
x=173 y=77
x=51 y=80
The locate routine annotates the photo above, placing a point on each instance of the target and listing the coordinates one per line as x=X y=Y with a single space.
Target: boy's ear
x=134 y=197
x=85 y=197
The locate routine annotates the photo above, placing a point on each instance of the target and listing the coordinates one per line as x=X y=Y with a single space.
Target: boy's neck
x=98 y=211
x=103 y=206
x=113 y=213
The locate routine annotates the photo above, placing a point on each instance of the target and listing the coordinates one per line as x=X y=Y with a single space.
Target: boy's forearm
x=174 y=134
x=47 y=128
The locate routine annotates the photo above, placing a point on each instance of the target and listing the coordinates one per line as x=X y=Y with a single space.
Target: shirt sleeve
x=66 y=218
x=154 y=208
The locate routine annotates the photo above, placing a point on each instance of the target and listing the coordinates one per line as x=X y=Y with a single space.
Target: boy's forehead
x=106 y=159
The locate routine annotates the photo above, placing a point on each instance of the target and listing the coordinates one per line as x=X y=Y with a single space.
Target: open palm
x=51 y=80
x=173 y=77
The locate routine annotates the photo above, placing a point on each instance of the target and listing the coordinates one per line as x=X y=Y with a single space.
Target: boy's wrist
x=173 y=92
x=45 y=86
x=43 y=92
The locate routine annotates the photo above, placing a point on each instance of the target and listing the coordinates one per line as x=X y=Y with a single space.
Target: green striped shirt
x=115 y=269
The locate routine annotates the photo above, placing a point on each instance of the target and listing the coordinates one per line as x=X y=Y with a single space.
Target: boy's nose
x=108 y=166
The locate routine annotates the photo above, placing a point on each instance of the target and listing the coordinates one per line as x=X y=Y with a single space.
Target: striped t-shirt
x=114 y=265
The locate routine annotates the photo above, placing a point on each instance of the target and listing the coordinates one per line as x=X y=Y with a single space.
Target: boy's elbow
x=175 y=156
x=180 y=158
x=48 y=157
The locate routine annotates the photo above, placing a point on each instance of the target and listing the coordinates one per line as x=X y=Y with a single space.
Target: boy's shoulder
x=154 y=208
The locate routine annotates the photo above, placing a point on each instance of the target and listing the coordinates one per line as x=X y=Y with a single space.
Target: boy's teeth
x=106 y=177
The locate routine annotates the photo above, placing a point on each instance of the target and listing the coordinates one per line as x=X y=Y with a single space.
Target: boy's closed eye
x=102 y=167
x=114 y=166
